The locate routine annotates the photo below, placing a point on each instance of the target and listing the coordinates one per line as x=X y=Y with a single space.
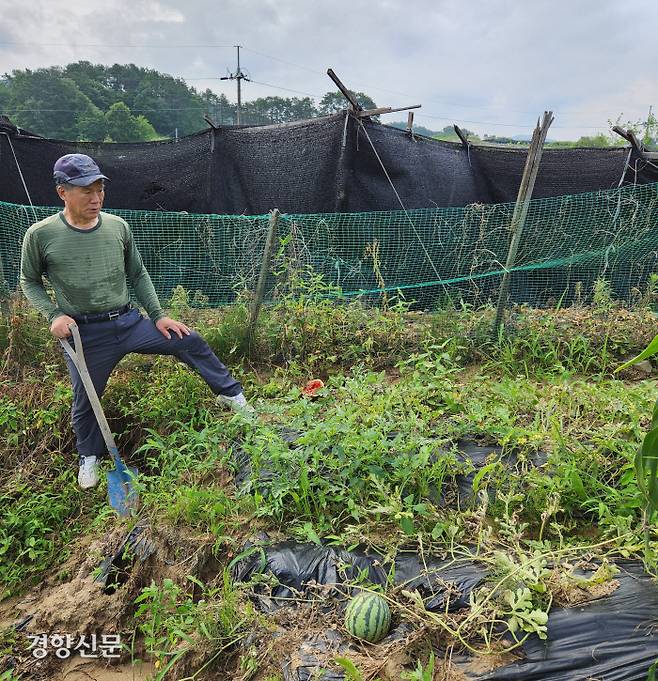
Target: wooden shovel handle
x=78 y=358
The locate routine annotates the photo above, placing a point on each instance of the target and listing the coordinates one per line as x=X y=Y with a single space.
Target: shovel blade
x=121 y=492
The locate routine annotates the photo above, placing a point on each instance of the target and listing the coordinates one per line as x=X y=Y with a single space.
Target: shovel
x=120 y=489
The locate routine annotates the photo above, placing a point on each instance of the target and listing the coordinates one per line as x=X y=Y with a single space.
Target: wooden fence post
x=521 y=209
x=5 y=307
x=264 y=271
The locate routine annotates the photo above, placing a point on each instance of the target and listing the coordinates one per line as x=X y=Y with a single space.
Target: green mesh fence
x=427 y=255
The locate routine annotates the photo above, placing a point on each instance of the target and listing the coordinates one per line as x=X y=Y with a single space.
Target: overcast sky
x=491 y=66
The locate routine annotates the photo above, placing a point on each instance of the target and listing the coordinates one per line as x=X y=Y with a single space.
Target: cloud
x=491 y=65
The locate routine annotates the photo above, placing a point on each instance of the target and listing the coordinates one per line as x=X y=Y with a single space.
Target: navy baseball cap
x=77 y=169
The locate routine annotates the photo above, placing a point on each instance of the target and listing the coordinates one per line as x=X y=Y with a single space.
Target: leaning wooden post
x=264 y=271
x=5 y=308
x=521 y=209
x=4 y=292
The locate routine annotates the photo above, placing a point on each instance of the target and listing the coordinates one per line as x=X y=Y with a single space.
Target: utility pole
x=239 y=76
x=239 y=79
x=647 y=127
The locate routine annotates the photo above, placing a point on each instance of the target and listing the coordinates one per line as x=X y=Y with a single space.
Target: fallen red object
x=312 y=387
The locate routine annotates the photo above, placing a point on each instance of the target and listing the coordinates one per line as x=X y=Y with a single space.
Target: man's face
x=85 y=202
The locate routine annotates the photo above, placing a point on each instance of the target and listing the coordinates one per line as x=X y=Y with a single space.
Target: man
x=89 y=258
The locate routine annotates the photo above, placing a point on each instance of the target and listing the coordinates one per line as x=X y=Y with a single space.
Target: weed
x=602 y=299
x=352 y=673
x=421 y=673
x=370 y=460
x=174 y=625
x=350 y=464
x=38 y=525
x=646 y=460
x=9 y=675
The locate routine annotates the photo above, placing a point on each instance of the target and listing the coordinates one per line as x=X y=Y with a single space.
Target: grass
x=369 y=461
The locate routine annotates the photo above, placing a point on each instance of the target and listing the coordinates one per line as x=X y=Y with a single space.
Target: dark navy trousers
x=106 y=343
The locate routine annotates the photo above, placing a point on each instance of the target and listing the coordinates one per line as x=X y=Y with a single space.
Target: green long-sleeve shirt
x=88 y=269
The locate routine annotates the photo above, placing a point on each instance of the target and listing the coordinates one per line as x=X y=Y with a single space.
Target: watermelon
x=368 y=617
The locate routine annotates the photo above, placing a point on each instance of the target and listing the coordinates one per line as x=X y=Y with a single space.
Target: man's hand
x=165 y=324
x=60 y=326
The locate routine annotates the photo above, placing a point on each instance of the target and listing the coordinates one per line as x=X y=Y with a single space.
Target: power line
x=287 y=89
x=239 y=76
x=508 y=125
x=285 y=61
x=194 y=108
x=143 y=46
x=404 y=94
x=448 y=100
x=439 y=117
x=187 y=108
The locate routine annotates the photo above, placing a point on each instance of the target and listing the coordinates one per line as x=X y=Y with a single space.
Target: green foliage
x=173 y=395
x=591 y=429
x=602 y=299
x=646 y=459
x=645 y=130
x=501 y=139
x=308 y=324
x=334 y=102
x=269 y=110
x=174 y=624
x=522 y=613
x=652 y=671
x=450 y=130
x=48 y=102
x=372 y=463
x=25 y=340
x=86 y=92
x=351 y=464
x=599 y=140
x=9 y=675
x=305 y=326
x=92 y=126
x=418 y=129
x=79 y=101
x=5 y=96
x=352 y=673
x=122 y=126
x=572 y=340
x=177 y=478
x=39 y=520
x=421 y=673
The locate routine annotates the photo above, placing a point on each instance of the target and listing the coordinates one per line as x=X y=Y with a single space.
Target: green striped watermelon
x=368 y=617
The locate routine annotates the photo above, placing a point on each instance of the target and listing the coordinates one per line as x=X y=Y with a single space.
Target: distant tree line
x=447 y=133
x=128 y=103
x=646 y=131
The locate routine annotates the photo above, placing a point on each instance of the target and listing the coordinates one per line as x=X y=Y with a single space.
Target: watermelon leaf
x=652 y=671
x=311 y=534
x=421 y=673
x=351 y=672
x=649 y=351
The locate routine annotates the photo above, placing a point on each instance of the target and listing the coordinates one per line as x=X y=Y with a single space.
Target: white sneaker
x=88 y=472
x=238 y=403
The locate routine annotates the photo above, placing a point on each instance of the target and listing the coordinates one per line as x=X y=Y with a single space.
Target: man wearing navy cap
x=89 y=258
